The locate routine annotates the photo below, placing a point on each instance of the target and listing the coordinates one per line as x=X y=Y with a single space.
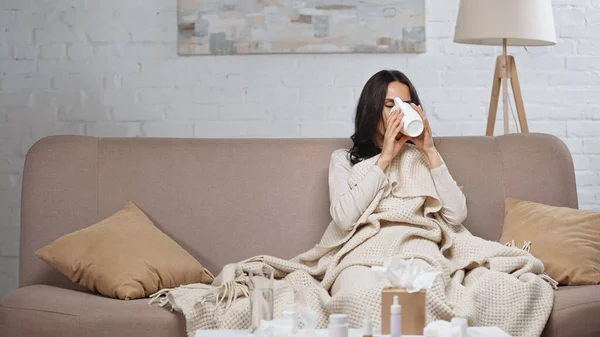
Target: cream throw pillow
x=566 y=240
x=123 y=256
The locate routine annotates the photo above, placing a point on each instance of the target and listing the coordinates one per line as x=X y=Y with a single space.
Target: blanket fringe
x=224 y=295
x=228 y=292
x=544 y=276
x=161 y=298
x=550 y=280
x=526 y=245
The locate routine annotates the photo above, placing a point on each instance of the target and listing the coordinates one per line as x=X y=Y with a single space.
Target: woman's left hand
x=425 y=140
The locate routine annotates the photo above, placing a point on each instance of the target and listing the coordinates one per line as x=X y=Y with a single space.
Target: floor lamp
x=505 y=23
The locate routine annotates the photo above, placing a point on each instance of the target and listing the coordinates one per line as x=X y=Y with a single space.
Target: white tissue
x=458 y=328
x=287 y=327
x=412 y=275
x=275 y=328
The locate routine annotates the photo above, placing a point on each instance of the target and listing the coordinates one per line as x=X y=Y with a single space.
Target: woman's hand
x=392 y=142
x=425 y=140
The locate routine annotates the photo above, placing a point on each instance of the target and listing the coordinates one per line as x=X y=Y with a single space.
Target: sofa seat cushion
x=575 y=313
x=41 y=310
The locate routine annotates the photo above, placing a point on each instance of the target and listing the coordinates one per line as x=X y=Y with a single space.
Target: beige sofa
x=224 y=200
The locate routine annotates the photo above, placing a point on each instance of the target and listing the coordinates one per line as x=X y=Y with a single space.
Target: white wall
x=110 y=68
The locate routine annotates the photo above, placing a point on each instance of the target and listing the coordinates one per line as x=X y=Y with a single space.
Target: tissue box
x=413 y=310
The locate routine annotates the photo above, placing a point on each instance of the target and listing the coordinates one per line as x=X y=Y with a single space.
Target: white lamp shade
x=521 y=22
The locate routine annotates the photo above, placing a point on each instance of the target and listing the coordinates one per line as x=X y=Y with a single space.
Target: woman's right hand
x=391 y=143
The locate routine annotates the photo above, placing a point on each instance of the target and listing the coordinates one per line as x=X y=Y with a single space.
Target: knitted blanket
x=486 y=282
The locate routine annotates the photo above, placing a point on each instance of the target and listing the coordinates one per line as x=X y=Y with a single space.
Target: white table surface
x=246 y=333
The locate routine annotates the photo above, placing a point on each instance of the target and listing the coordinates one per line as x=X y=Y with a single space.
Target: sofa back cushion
x=227 y=200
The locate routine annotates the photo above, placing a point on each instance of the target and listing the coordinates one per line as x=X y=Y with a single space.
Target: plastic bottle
x=367 y=326
x=395 y=319
x=338 y=326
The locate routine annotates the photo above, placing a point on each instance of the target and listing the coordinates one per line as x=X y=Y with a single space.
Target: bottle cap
x=367 y=325
x=396 y=308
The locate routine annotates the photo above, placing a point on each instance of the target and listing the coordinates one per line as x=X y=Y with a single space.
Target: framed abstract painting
x=229 y=27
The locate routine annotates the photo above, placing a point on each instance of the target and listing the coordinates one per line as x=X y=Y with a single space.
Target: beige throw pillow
x=123 y=256
x=566 y=240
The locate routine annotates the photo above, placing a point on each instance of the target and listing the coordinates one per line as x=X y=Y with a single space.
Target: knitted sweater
x=348 y=203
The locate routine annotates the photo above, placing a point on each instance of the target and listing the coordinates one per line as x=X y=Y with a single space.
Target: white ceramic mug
x=413 y=124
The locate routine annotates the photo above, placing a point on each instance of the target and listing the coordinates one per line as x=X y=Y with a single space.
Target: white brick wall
x=110 y=68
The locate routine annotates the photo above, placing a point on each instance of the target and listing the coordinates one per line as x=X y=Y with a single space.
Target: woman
x=400 y=187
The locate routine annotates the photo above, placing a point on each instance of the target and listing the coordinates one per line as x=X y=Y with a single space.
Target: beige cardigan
x=348 y=203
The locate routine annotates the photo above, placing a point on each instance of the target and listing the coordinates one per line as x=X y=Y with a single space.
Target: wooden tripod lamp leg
x=516 y=87
x=505 y=100
x=495 y=96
